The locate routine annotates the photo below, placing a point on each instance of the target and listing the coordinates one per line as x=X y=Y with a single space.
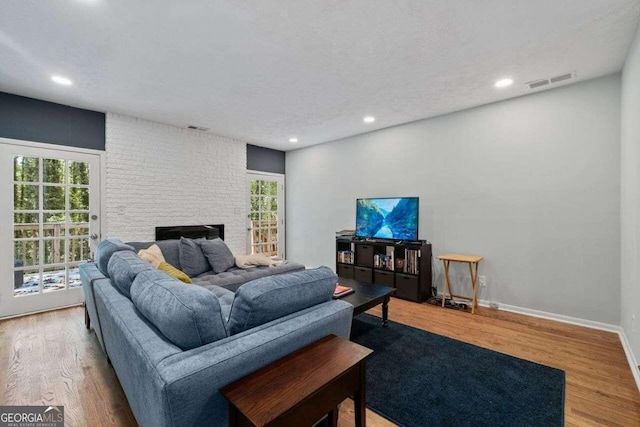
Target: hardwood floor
x=51 y=358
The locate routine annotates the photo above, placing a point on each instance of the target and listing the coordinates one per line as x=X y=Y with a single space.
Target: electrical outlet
x=482 y=281
x=494 y=305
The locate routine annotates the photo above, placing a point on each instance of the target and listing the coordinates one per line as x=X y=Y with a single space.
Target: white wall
x=159 y=175
x=630 y=196
x=531 y=183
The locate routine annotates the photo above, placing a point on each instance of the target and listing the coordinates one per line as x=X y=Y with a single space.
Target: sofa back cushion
x=189 y=316
x=192 y=260
x=170 y=249
x=123 y=268
x=269 y=298
x=105 y=250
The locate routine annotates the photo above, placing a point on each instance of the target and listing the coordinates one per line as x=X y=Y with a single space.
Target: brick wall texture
x=161 y=175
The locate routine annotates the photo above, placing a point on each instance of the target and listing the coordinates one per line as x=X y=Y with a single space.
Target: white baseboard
x=631 y=359
x=41 y=311
x=633 y=363
x=557 y=317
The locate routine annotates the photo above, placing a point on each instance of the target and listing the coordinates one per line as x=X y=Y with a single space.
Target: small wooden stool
x=472 y=260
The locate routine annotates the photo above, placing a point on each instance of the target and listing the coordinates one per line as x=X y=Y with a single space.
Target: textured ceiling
x=266 y=70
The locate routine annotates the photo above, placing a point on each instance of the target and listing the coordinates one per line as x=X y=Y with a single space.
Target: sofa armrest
x=194 y=378
x=89 y=276
x=135 y=348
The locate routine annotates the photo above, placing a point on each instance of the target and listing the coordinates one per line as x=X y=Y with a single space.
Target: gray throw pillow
x=218 y=253
x=192 y=260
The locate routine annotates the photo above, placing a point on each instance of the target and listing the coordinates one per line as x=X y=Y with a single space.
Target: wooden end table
x=299 y=389
x=473 y=261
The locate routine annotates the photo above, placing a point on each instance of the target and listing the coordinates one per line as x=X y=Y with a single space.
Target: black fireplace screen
x=190 y=231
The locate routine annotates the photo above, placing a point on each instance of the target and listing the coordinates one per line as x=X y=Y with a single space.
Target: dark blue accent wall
x=31 y=119
x=265 y=159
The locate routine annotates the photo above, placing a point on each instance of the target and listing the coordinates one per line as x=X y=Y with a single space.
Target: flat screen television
x=387 y=218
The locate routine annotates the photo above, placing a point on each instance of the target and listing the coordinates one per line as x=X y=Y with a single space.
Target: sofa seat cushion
x=189 y=316
x=269 y=298
x=105 y=251
x=225 y=297
x=234 y=277
x=123 y=268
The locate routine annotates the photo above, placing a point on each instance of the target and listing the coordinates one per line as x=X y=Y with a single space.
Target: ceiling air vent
x=538 y=83
x=543 y=82
x=200 y=128
x=561 y=78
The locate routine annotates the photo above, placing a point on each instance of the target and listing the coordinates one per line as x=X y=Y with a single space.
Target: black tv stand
x=403 y=265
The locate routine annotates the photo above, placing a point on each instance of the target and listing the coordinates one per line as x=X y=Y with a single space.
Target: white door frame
x=16 y=306
x=251 y=174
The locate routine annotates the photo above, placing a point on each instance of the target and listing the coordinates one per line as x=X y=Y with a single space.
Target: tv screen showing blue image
x=387 y=218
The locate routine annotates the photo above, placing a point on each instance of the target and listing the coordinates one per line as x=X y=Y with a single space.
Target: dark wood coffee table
x=299 y=389
x=366 y=296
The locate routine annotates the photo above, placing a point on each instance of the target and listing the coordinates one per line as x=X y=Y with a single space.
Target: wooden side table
x=299 y=389
x=473 y=261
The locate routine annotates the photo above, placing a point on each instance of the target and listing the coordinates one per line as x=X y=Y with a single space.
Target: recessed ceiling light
x=62 y=80
x=293 y=140
x=369 y=119
x=504 y=83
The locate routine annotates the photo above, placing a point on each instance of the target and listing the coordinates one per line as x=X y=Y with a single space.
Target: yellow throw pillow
x=153 y=255
x=174 y=272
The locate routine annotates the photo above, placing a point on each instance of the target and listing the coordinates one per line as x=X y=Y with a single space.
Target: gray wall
x=531 y=183
x=31 y=119
x=630 y=196
x=265 y=159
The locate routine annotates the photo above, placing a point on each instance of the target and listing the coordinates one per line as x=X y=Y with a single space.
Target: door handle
x=94 y=236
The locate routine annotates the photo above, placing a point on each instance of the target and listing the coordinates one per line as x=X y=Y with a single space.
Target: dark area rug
x=416 y=378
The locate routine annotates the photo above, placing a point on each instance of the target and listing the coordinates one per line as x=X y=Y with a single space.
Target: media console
x=405 y=266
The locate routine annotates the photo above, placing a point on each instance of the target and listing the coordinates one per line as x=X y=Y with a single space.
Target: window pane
x=54 y=217
x=78 y=198
x=25 y=231
x=78 y=217
x=54 y=252
x=54 y=279
x=25 y=169
x=25 y=218
x=53 y=198
x=26 y=253
x=54 y=229
x=274 y=188
x=79 y=230
x=26 y=282
x=264 y=187
x=74 y=277
x=254 y=186
x=25 y=197
x=53 y=171
x=78 y=250
x=79 y=173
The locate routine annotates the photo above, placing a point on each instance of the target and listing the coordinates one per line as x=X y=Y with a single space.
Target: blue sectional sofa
x=174 y=345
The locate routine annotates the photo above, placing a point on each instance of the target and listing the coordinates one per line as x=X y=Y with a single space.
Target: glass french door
x=49 y=225
x=266 y=214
